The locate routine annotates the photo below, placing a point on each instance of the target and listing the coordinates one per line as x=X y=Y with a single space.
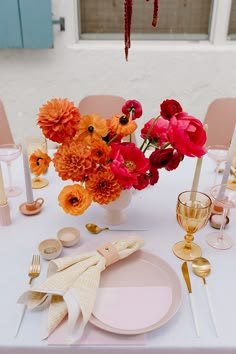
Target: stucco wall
x=193 y=74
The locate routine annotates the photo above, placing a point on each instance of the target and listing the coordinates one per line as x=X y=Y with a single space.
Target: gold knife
x=188 y=283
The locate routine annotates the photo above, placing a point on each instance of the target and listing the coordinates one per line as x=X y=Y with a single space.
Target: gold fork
x=34 y=271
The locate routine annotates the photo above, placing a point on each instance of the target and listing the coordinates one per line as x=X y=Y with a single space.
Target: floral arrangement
x=128 y=6
x=92 y=152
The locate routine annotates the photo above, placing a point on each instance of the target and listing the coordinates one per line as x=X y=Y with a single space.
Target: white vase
x=114 y=211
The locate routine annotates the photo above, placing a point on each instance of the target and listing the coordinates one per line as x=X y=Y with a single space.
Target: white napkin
x=71 y=287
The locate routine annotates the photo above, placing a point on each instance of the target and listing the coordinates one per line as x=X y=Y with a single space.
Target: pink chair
x=5 y=131
x=221 y=120
x=104 y=105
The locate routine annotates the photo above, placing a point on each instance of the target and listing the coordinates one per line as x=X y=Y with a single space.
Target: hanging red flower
x=128 y=6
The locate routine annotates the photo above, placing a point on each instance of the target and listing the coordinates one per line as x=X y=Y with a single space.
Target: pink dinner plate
x=137 y=295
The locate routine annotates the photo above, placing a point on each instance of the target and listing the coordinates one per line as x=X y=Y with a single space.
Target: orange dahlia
x=91 y=127
x=39 y=162
x=73 y=161
x=74 y=199
x=122 y=125
x=59 y=119
x=100 y=152
x=103 y=186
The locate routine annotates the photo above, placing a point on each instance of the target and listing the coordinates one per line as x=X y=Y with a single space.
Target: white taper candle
x=3 y=198
x=28 y=183
x=198 y=168
x=228 y=163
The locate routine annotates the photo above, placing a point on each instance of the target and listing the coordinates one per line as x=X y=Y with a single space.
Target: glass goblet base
x=232 y=184
x=215 y=240
x=187 y=254
x=13 y=191
x=39 y=182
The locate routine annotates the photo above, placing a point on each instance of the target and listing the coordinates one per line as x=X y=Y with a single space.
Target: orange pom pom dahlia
x=73 y=161
x=103 y=186
x=100 y=152
x=59 y=119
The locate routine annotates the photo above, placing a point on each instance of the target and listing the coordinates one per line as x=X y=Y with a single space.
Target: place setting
x=88 y=276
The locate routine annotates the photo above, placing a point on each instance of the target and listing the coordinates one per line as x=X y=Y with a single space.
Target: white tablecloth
x=154 y=209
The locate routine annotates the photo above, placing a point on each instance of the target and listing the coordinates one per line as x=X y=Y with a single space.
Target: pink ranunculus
x=170 y=108
x=187 y=135
x=132 y=107
x=174 y=162
x=158 y=132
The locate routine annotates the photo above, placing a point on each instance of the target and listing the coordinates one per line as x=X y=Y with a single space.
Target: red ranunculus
x=160 y=158
x=134 y=108
x=169 y=108
x=143 y=182
x=153 y=176
x=158 y=132
x=187 y=135
x=174 y=162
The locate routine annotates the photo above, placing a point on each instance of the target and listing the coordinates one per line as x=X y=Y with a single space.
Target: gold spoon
x=202 y=267
x=95 y=229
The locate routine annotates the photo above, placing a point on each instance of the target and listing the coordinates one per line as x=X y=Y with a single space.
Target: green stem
x=148 y=132
x=165 y=146
x=147 y=146
x=114 y=138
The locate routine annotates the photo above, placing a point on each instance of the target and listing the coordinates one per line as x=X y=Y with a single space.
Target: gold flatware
x=188 y=284
x=95 y=229
x=34 y=271
x=202 y=268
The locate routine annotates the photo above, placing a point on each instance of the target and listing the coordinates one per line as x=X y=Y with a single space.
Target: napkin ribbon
x=72 y=284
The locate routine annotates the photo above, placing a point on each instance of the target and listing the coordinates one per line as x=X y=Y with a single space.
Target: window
x=178 y=19
x=232 y=21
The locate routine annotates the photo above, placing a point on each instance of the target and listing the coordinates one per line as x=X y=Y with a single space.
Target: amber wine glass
x=34 y=143
x=193 y=210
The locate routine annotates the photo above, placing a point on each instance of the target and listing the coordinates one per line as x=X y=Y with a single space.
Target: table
x=154 y=206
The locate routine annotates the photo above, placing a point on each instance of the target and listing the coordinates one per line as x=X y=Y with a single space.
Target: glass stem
x=9 y=175
x=222 y=225
x=188 y=241
x=216 y=172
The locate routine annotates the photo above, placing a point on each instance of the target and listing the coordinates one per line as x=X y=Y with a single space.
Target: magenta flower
x=187 y=135
x=158 y=132
x=132 y=108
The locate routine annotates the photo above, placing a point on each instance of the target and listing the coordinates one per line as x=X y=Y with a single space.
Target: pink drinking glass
x=8 y=153
x=218 y=153
x=223 y=198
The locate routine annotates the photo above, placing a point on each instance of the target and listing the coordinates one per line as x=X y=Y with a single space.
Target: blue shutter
x=36 y=21
x=26 y=24
x=10 y=29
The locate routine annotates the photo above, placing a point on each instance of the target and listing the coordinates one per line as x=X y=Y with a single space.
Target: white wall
x=193 y=74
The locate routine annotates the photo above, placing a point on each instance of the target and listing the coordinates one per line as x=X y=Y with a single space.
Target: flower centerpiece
x=93 y=155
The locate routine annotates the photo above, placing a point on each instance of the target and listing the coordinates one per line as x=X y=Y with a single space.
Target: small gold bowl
x=50 y=248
